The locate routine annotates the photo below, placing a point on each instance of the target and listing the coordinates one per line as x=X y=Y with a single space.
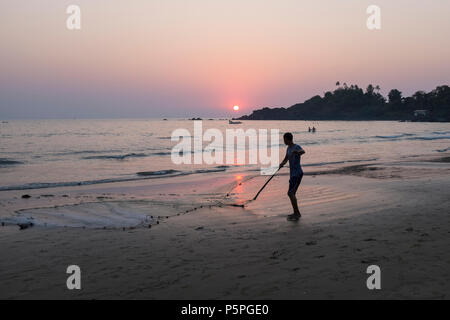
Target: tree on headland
x=421 y=99
x=395 y=97
x=352 y=103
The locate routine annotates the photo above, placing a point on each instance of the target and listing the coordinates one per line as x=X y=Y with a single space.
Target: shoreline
x=175 y=192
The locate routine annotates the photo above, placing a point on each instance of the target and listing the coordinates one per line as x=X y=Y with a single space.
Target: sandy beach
x=392 y=214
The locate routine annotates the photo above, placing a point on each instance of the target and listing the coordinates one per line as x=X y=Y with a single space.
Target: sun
x=236 y=108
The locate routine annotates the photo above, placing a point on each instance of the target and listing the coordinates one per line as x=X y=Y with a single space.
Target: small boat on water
x=234 y=122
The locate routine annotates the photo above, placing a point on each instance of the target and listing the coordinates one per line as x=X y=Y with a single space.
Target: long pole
x=267 y=182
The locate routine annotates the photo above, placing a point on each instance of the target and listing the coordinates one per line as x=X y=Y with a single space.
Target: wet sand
x=393 y=214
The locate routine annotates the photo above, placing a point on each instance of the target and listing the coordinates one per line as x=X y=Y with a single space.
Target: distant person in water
x=314 y=129
x=309 y=129
x=293 y=154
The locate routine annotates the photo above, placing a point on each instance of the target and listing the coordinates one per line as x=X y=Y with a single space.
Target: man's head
x=288 y=138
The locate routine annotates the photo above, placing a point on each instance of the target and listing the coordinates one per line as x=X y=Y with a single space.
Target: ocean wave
x=74 y=153
x=130 y=155
x=169 y=138
x=395 y=136
x=46 y=185
x=305 y=143
x=157 y=173
x=116 y=157
x=318 y=164
x=440 y=132
x=9 y=162
x=210 y=170
x=336 y=130
x=443 y=150
x=308 y=143
x=172 y=172
x=430 y=138
x=161 y=153
x=169 y=173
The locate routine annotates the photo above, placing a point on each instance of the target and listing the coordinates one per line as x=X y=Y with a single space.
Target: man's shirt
x=295 y=167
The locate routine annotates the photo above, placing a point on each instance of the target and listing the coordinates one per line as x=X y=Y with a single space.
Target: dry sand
x=395 y=215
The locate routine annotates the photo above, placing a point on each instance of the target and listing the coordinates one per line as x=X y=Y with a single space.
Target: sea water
x=48 y=153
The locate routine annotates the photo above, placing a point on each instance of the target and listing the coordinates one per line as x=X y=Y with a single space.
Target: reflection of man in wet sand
x=293 y=154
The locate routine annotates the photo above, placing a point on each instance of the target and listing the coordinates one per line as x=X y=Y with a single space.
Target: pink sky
x=147 y=58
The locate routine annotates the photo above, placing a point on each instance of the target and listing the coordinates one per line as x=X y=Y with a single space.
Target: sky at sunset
x=174 y=58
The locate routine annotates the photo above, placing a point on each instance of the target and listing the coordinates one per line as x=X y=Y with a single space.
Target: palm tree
x=369 y=90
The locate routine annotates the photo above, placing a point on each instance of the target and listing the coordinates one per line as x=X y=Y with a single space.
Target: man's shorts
x=294 y=183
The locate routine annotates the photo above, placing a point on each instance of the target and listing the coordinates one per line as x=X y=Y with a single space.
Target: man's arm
x=300 y=152
x=285 y=160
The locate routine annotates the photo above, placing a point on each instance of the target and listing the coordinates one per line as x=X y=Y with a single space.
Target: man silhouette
x=293 y=154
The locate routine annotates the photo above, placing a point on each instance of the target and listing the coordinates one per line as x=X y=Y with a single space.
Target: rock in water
x=24 y=226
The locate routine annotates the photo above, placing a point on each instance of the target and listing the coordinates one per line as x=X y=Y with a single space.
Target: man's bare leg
x=294 y=203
